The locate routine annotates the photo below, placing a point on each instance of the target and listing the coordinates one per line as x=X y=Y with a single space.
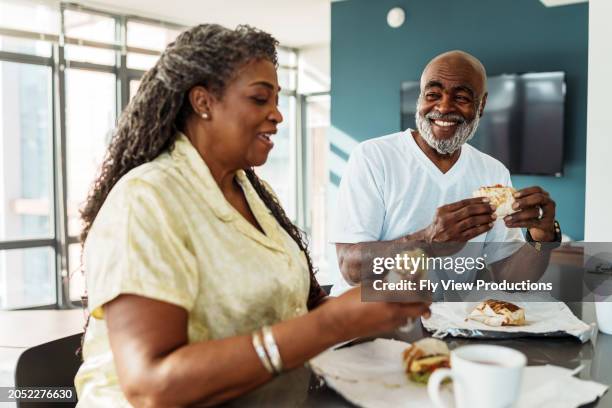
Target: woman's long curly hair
x=208 y=55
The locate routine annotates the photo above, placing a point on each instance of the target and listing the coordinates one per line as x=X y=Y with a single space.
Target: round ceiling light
x=396 y=17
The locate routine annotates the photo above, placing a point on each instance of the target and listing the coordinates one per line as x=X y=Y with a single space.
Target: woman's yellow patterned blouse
x=167 y=233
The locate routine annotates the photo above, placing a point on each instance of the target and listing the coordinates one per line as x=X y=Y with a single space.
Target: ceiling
x=295 y=23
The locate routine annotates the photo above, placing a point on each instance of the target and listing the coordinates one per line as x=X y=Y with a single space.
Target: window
x=28 y=15
x=25 y=46
x=134 y=84
x=287 y=78
x=153 y=37
x=88 y=26
x=89 y=125
x=317 y=120
x=279 y=170
x=89 y=54
x=141 y=61
x=286 y=57
x=145 y=36
x=27 y=277
x=27 y=273
x=26 y=126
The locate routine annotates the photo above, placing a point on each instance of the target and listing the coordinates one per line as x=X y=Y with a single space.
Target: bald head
x=457 y=65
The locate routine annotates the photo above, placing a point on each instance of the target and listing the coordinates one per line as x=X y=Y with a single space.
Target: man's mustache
x=449 y=117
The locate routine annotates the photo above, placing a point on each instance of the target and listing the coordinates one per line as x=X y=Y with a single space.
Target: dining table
x=301 y=387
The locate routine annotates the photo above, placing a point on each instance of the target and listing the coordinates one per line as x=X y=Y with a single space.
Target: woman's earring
x=205 y=115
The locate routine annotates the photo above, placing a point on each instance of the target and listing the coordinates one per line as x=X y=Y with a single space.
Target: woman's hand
x=348 y=317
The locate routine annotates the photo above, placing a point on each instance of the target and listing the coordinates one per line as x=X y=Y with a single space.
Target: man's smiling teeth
x=444 y=124
x=265 y=136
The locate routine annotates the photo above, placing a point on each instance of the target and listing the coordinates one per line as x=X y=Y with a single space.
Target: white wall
x=598 y=217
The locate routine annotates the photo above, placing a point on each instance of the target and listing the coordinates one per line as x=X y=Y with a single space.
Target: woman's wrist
x=331 y=323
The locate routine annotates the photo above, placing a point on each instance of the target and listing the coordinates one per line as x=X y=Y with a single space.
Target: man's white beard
x=465 y=130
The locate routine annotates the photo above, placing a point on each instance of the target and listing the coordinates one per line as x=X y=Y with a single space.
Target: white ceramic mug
x=484 y=376
x=603 y=311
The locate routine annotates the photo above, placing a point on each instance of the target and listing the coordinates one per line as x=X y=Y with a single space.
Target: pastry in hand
x=498 y=313
x=425 y=356
x=501 y=197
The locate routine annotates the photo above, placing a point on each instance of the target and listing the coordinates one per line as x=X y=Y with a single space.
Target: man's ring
x=540 y=213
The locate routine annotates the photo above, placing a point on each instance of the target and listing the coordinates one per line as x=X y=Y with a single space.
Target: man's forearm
x=349 y=261
x=351 y=257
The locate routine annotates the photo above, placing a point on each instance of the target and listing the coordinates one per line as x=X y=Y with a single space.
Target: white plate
x=541 y=319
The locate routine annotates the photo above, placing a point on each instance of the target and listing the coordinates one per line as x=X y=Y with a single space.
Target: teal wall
x=369 y=60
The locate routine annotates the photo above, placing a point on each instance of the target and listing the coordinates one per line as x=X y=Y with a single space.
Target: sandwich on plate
x=425 y=356
x=500 y=196
x=498 y=313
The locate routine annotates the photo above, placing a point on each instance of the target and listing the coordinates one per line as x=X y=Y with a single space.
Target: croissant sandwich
x=500 y=196
x=425 y=356
x=498 y=313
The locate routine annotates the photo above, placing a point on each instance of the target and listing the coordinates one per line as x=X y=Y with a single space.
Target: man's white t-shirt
x=390 y=189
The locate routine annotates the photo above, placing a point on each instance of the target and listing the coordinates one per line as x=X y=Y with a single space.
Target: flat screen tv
x=522 y=125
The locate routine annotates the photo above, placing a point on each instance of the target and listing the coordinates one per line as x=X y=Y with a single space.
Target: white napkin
x=555 y=387
x=371 y=375
x=540 y=318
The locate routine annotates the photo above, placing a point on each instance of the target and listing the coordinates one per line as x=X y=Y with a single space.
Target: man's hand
x=461 y=221
x=536 y=211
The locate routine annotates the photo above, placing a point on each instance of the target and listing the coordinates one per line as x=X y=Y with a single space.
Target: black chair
x=52 y=364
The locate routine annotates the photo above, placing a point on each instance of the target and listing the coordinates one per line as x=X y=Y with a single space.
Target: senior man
x=414 y=186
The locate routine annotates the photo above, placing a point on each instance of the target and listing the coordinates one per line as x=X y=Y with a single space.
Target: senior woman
x=200 y=288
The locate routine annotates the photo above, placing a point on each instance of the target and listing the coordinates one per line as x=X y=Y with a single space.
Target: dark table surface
x=302 y=388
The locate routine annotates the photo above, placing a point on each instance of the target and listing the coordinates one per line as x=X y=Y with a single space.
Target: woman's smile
x=266 y=138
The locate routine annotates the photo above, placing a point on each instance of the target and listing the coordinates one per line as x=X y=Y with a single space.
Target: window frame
x=60 y=240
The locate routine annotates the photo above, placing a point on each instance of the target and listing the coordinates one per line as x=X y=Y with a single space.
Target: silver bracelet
x=261 y=352
x=272 y=349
